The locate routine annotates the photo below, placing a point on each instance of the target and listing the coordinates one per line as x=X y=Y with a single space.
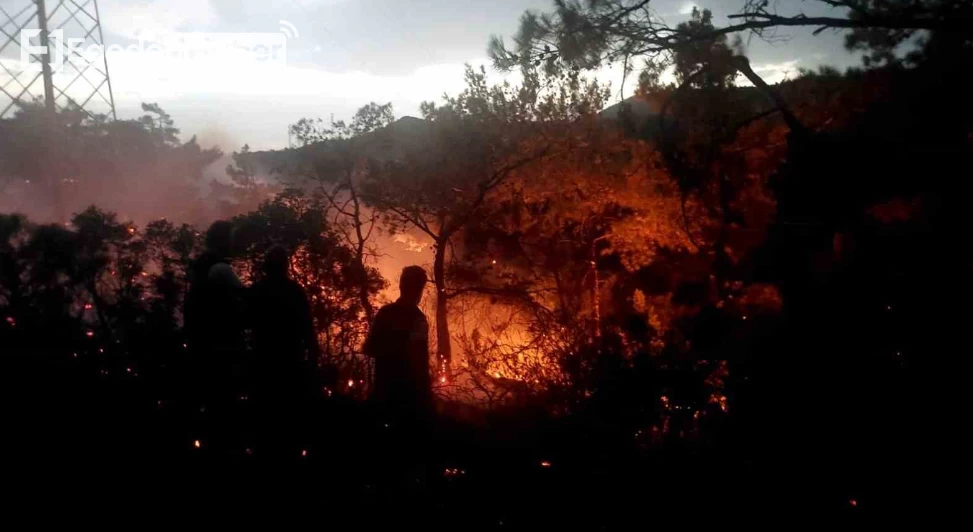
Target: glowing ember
x=196 y=444
x=545 y=463
x=87 y=306
x=304 y=452
x=89 y=334
x=351 y=383
x=853 y=502
x=442 y=379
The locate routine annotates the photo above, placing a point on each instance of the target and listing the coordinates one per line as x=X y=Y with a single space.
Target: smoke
x=140 y=173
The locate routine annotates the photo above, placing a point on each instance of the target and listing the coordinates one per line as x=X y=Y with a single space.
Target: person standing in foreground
x=214 y=333
x=213 y=317
x=285 y=353
x=399 y=342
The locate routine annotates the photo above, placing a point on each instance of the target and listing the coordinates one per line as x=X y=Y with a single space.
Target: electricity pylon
x=81 y=82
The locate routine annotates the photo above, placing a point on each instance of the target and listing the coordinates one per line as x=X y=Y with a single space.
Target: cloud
x=156 y=16
x=162 y=76
x=256 y=102
x=773 y=72
x=687 y=8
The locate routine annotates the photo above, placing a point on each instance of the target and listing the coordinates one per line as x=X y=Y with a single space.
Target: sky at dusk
x=341 y=54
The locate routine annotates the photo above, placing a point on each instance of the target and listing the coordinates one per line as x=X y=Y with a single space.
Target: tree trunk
x=444 y=350
x=363 y=295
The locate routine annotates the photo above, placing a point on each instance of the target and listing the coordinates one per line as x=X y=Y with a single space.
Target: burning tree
x=332 y=159
x=471 y=146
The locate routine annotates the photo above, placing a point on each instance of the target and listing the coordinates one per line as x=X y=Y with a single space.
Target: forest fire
x=527 y=296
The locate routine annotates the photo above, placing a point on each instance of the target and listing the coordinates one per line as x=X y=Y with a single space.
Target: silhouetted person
x=213 y=318
x=285 y=350
x=399 y=342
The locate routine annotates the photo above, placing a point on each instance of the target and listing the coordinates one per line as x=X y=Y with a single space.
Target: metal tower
x=80 y=80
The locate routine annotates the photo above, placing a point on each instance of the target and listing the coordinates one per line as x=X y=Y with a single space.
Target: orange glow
x=853 y=502
x=89 y=334
x=545 y=463
x=304 y=452
x=87 y=306
x=351 y=383
x=196 y=444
